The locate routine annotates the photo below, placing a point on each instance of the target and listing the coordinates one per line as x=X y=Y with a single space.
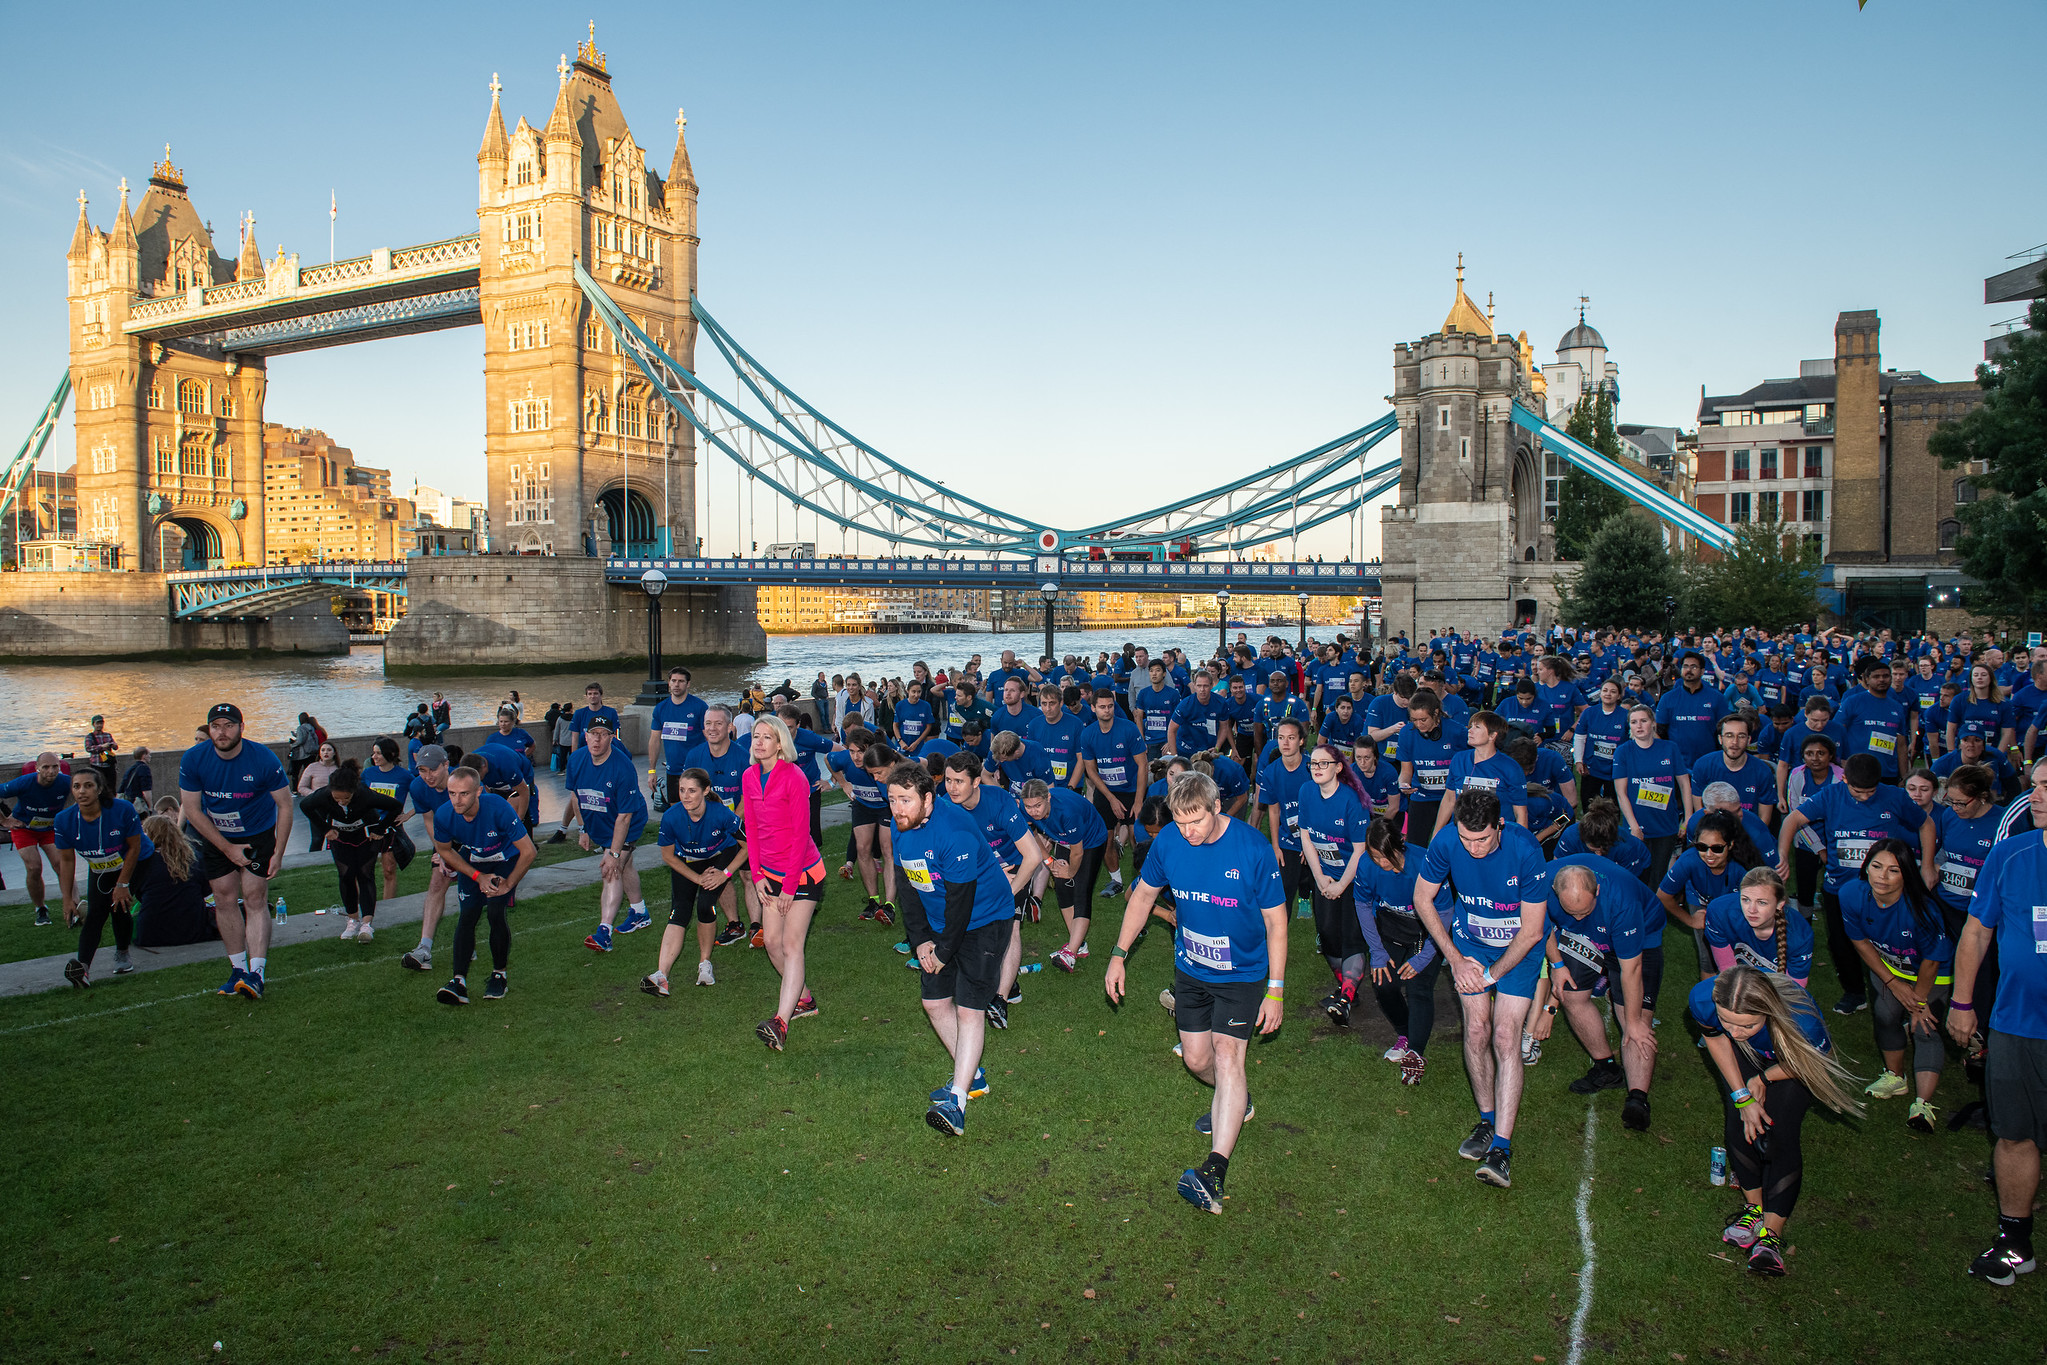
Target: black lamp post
x=1304 y=623
x=1222 y=624
x=1051 y=592
x=1669 y=622
x=653 y=583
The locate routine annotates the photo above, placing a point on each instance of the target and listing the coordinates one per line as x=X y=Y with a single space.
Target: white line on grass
x=194 y=995
x=1577 y=1353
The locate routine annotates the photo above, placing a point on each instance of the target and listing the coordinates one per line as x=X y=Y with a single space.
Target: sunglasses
x=1712 y=848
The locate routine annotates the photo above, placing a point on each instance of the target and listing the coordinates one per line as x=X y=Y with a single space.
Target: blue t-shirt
x=1155 y=707
x=1231 y=781
x=1489 y=892
x=1964 y=848
x=2008 y=903
x=1073 y=820
x=1689 y=882
x=680 y=725
x=1561 y=702
x=1381 y=785
x=508 y=767
x=1628 y=852
x=1649 y=777
x=36 y=805
x=1059 y=743
x=605 y=790
x=102 y=843
x=426 y=799
x=696 y=839
x=865 y=790
x=1727 y=927
x=2006 y=778
x=999 y=818
x=1281 y=787
x=1757 y=780
x=1849 y=827
x=1330 y=825
x=1118 y=754
x=580 y=721
x=1534 y=716
x=1386 y=710
x=1760 y=1043
x=1199 y=723
x=1693 y=720
x=725 y=770
x=1272 y=710
x=235 y=793
x=393 y=782
x=914 y=720
x=1499 y=774
x=485 y=839
x=1430 y=755
x=1221 y=891
x=1925 y=695
x=1874 y=725
x=1000 y=720
x=514 y=739
x=1624 y=921
x=1900 y=939
x=1604 y=732
x=1989 y=719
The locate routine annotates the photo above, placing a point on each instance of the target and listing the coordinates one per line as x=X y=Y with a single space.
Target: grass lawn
x=349 y=1170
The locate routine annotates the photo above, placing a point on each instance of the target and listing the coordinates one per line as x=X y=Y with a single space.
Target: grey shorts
x=2015 y=1088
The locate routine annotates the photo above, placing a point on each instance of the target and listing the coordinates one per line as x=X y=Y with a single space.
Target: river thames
x=160 y=703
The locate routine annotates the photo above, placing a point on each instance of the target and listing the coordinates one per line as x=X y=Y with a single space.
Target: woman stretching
x=312 y=778
x=1766 y=1039
x=386 y=777
x=1333 y=819
x=784 y=864
x=1898 y=932
x=1753 y=927
x=1405 y=964
x=358 y=823
x=107 y=833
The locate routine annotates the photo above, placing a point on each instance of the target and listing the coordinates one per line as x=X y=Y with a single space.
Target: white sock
x=238 y=961
x=463 y=979
x=639 y=907
x=256 y=964
x=426 y=944
x=660 y=975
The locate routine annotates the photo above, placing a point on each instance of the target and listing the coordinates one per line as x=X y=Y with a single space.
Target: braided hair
x=1767 y=876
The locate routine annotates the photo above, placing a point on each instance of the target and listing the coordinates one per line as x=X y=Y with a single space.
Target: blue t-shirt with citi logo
x=1221 y=891
x=235 y=793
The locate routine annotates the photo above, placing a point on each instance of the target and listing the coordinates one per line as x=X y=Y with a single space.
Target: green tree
x=1583 y=502
x=2003 y=544
x=1759 y=580
x=1628 y=574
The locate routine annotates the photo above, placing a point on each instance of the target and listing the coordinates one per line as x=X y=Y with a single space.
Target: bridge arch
x=625 y=522
x=188 y=538
x=1525 y=504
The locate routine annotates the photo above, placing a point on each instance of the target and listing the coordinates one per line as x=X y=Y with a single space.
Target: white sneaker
x=349 y=929
x=1397 y=1051
x=418 y=960
x=1166 y=1001
x=368 y=932
x=704 y=977
x=1531 y=1049
x=1178 y=1050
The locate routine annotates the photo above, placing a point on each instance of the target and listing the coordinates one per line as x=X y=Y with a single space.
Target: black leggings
x=99 y=906
x=1776 y=1164
x=1337 y=935
x=1077 y=893
x=1410 y=1006
x=1662 y=848
x=1294 y=880
x=473 y=909
x=1848 y=965
x=356 y=864
x=1590 y=787
x=1421 y=820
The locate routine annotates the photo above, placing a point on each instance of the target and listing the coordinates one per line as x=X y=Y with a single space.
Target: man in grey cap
x=428 y=793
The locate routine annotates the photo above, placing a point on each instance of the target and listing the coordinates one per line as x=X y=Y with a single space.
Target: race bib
x=1207 y=950
x=919 y=873
x=2040 y=928
x=1655 y=794
x=1111 y=774
x=1293 y=819
x=589 y=798
x=226 y=821
x=1494 y=930
x=1473 y=782
x=1602 y=749
x=1581 y=947
x=1155 y=724
x=1883 y=744
x=1851 y=851
x=1957 y=876
x=1433 y=779
x=50 y=821
x=1899 y=963
x=675 y=730
x=105 y=862
x=955 y=720
x=1059 y=769
x=1324 y=849
x=1748 y=956
x=1392 y=750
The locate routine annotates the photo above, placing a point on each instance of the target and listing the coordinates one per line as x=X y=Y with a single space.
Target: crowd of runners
x=1530 y=814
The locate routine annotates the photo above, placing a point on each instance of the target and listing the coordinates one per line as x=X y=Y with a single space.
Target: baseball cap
x=432 y=756
x=226 y=710
x=600 y=723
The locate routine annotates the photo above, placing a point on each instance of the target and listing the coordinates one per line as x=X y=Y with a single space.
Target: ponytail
x=1782 y=1003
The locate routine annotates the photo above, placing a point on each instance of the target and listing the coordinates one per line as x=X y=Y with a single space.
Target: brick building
x=318 y=503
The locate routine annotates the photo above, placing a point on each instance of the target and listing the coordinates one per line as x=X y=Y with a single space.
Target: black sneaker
x=867 y=910
x=74 y=972
x=1766 y=1257
x=495 y=988
x=42 y=917
x=1492 y=1169
x=454 y=993
x=1635 y=1113
x=1851 y=1004
x=2003 y=1263
x=732 y=933
x=1606 y=1075
x=1478 y=1144
x=998 y=1013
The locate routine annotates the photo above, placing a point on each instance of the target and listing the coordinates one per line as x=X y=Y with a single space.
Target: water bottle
x=280 y=910
x=1029 y=967
x=1716 y=1171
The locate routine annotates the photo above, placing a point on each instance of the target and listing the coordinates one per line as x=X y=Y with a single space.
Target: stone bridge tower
x=583 y=457
x=170 y=434
x=1468 y=543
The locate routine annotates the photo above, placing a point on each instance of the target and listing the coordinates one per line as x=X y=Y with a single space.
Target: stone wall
x=96 y=617
x=1922 y=494
x=499 y=613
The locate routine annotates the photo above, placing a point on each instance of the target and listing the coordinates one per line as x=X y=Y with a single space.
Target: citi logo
x=1231 y=874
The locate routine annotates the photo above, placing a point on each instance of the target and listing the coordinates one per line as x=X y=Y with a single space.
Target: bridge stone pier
x=94 y=617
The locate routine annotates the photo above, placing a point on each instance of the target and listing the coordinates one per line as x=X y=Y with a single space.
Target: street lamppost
x=1304 y=623
x=1222 y=624
x=1051 y=592
x=653 y=583
x=1669 y=619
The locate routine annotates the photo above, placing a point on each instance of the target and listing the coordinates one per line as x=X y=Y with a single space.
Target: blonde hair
x=171 y=846
x=1191 y=792
x=1767 y=876
x=1780 y=1002
x=783 y=739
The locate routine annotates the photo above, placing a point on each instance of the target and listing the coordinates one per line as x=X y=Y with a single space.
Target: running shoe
x=774 y=1032
x=418 y=960
x=1196 y=1189
x=1205 y=1125
x=1166 y=1000
x=1479 y=1143
x=1851 y=1004
x=1115 y=887
x=2004 y=1262
x=1887 y=1086
x=912 y=964
x=704 y=975
x=1339 y=1012
x=1398 y=1051
x=758 y=938
x=1635 y=1113
x=366 y=933
x=1016 y=992
x=1766 y=1257
x=998 y=1013
x=1034 y=909
x=657 y=984
x=885 y=914
x=250 y=985
x=1412 y=1068
x=1064 y=959
x=732 y=933
x=122 y=966
x=1743 y=1229
x=1603 y=1075
x=1180 y=1050
x=234 y=979
x=1531 y=1048
x=74 y=972
x=1920 y=1117
x=636 y=920
x=1492 y=1168
x=903 y=947
x=495 y=988
x=979 y=1089
x=42 y=917
x=599 y=940
x=456 y=992
x=805 y=1008
x=845 y=872
x=948 y=1115
x=1081 y=951
x=867 y=910
x=350 y=929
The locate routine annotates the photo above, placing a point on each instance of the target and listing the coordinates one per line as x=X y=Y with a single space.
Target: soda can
x=1717 y=1170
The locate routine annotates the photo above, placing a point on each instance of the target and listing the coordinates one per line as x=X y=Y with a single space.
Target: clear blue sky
x=1082 y=256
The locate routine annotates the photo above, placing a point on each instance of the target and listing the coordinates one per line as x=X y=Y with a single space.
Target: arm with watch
x=1962 y=1022
x=1745 y=1094
x=492 y=884
x=1542 y=1009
